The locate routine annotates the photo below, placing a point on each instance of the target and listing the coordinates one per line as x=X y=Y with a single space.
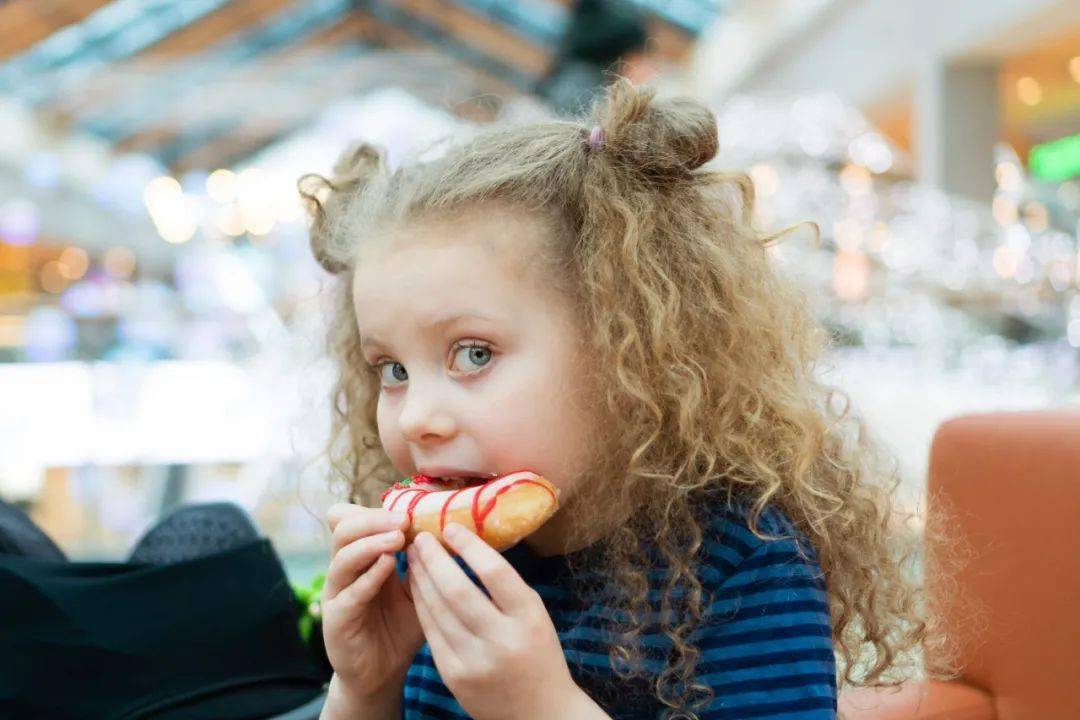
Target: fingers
x=364 y=589
x=510 y=593
x=453 y=589
x=351 y=522
x=450 y=625
x=337 y=512
x=351 y=562
x=441 y=650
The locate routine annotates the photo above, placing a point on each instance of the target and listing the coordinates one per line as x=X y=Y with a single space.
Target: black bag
x=201 y=622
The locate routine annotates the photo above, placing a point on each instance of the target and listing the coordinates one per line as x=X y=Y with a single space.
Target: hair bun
x=663 y=138
x=355 y=167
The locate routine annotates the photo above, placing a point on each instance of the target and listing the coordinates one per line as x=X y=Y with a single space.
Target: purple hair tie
x=596 y=138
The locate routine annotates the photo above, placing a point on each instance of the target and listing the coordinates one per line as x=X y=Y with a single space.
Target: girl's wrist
x=577 y=704
x=343 y=704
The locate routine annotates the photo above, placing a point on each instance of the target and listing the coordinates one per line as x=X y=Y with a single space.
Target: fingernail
x=398 y=518
x=452 y=531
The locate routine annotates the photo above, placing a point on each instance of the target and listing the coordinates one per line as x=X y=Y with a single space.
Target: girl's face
x=479 y=357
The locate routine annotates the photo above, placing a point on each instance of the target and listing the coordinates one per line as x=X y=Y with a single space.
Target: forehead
x=482 y=260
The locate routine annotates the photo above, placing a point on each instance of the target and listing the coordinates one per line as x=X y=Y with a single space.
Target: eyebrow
x=436 y=323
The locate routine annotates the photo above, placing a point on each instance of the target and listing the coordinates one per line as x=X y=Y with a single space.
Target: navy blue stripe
x=780 y=632
x=708 y=667
x=783 y=682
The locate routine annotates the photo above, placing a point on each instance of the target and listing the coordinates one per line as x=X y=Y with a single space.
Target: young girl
x=582 y=300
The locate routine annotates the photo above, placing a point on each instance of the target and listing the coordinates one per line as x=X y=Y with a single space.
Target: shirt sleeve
x=766 y=645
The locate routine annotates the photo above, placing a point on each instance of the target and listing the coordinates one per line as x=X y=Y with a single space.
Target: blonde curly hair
x=705 y=358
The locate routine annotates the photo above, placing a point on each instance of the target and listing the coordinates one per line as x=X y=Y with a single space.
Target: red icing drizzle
x=479 y=514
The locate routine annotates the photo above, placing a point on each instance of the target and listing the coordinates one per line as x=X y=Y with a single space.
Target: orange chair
x=1014 y=481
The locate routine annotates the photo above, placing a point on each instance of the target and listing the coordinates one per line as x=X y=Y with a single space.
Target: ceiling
x=199 y=84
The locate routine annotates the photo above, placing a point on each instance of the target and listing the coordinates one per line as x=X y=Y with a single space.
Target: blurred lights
x=257 y=199
x=850 y=275
x=170 y=210
x=871 y=151
x=119 y=262
x=1029 y=90
x=221 y=185
x=1004 y=210
x=1008 y=176
x=879 y=236
x=1005 y=262
x=259 y=219
x=1060 y=274
x=856 y=180
x=20 y=221
x=161 y=187
x=52 y=277
x=1036 y=216
x=229 y=221
x=848 y=234
x=74 y=263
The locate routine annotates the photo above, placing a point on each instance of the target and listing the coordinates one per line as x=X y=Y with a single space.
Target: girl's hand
x=370 y=627
x=501 y=658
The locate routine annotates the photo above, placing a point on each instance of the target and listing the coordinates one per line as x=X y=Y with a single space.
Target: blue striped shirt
x=766 y=647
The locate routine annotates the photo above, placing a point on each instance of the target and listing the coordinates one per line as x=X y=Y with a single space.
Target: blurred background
x=161 y=316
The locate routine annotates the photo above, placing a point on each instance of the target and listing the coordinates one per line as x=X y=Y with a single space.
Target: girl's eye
x=397 y=372
x=477 y=355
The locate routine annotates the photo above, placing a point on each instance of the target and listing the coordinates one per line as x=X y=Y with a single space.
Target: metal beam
x=79 y=51
x=214 y=28
x=187 y=83
x=389 y=12
x=493 y=40
x=27 y=22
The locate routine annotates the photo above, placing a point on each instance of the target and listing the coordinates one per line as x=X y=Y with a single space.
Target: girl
x=585 y=302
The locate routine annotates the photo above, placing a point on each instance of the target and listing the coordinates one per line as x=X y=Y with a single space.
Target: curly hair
x=707 y=360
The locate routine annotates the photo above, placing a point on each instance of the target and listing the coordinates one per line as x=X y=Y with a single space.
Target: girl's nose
x=421 y=421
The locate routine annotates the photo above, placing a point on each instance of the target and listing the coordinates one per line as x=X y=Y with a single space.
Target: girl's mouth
x=467 y=481
x=458 y=481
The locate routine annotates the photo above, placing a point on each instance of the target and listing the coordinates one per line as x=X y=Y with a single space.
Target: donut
x=501 y=511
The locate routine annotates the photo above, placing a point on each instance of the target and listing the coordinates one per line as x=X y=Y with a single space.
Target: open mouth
x=465 y=480
x=457 y=481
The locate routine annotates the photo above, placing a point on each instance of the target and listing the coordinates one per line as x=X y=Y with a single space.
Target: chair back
x=1013 y=480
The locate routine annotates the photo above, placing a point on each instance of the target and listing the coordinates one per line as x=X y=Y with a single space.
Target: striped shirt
x=766 y=648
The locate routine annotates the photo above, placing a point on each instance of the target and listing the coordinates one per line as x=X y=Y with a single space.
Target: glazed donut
x=501 y=511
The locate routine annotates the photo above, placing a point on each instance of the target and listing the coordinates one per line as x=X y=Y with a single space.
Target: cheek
x=392 y=442
x=538 y=423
